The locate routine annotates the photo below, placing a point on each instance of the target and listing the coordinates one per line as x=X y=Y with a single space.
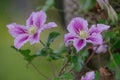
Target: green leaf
x=26 y=54
x=48 y=4
x=67 y=76
x=97 y=75
x=110 y=35
x=61 y=50
x=23 y=52
x=57 y=78
x=118 y=16
x=116 y=44
x=102 y=21
x=44 y=52
x=51 y=38
x=74 y=59
x=85 y=5
x=116 y=60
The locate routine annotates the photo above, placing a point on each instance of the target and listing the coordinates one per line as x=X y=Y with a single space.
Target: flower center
x=32 y=30
x=83 y=34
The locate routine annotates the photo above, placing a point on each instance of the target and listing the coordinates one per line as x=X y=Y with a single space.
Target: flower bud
x=112 y=14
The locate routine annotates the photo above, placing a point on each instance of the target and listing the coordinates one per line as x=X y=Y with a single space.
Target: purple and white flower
x=89 y=76
x=79 y=33
x=31 y=31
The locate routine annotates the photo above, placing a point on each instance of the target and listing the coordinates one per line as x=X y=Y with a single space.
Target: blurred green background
x=12 y=64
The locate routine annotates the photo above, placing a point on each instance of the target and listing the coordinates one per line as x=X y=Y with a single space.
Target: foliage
x=74 y=54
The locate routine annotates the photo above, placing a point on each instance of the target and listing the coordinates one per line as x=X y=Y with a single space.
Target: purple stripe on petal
x=16 y=30
x=21 y=40
x=76 y=25
x=29 y=21
x=67 y=38
x=35 y=38
x=95 y=39
x=39 y=18
x=79 y=44
x=94 y=29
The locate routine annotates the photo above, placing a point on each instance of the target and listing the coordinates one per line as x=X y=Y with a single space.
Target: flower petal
x=95 y=39
x=102 y=27
x=93 y=29
x=35 y=38
x=67 y=38
x=79 y=44
x=39 y=18
x=90 y=75
x=49 y=25
x=29 y=21
x=98 y=28
x=101 y=49
x=77 y=24
x=21 y=40
x=16 y=30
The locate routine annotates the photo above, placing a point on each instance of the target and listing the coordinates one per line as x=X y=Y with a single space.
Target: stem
x=42 y=43
x=89 y=58
x=52 y=68
x=64 y=66
x=91 y=55
x=41 y=74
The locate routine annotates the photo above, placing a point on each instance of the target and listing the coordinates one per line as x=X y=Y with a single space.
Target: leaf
x=110 y=35
x=23 y=52
x=51 y=38
x=44 y=52
x=118 y=16
x=26 y=54
x=57 y=78
x=61 y=50
x=116 y=60
x=48 y=4
x=74 y=59
x=116 y=44
x=102 y=21
x=85 y=5
x=67 y=76
x=97 y=75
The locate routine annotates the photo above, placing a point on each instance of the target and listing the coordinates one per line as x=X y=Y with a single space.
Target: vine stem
x=64 y=66
x=41 y=74
x=89 y=58
x=42 y=43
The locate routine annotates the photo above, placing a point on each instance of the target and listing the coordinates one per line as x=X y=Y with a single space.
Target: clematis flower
x=101 y=49
x=89 y=76
x=79 y=33
x=35 y=24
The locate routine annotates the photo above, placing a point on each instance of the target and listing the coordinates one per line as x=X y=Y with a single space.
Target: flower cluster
x=79 y=33
x=31 y=31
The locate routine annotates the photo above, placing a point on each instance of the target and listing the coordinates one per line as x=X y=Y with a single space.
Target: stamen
x=32 y=30
x=83 y=34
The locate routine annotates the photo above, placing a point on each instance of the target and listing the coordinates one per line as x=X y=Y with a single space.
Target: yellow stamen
x=83 y=34
x=32 y=30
